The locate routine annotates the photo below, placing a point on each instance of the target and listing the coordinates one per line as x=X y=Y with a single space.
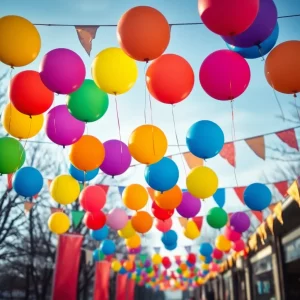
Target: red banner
x=67 y=267
x=101 y=287
x=121 y=287
x=130 y=289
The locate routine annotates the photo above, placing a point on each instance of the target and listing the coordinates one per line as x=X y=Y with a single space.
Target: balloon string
x=119 y=128
x=25 y=144
x=10 y=106
x=151 y=117
x=297 y=109
x=233 y=138
x=261 y=54
x=277 y=100
x=177 y=140
x=145 y=105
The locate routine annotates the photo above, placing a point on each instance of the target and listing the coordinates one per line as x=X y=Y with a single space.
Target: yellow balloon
x=202 y=182
x=156 y=259
x=147 y=144
x=202 y=258
x=205 y=267
x=113 y=71
x=116 y=266
x=191 y=230
x=135 y=196
x=222 y=243
x=20 y=42
x=186 y=274
x=19 y=125
x=133 y=276
x=64 y=189
x=200 y=281
x=133 y=242
x=59 y=223
x=127 y=231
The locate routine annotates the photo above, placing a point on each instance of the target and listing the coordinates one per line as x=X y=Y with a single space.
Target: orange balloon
x=143 y=33
x=142 y=221
x=135 y=196
x=87 y=153
x=128 y=265
x=282 y=67
x=169 y=199
x=170 y=78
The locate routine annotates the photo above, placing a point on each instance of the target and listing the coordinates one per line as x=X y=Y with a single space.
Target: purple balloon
x=117 y=158
x=147 y=263
x=62 y=71
x=261 y=28
x=189 y=206
x=240 y=222
x=62 y=128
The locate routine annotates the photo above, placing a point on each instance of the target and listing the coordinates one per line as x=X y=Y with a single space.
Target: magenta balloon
x=238 y=246
x=231 y=234
x=62 y=71
x=117 y=218
x=62 y=128
x=189 y=206
x=260 y=29
x=240 y=222
x=134 y=250
x=224 y=75
x=117 y=158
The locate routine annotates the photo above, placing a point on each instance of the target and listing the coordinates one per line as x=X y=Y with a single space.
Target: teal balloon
x=12 y=155
x=88 y=103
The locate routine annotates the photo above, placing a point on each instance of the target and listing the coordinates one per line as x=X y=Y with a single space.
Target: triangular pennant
x=170 y=156
x=88 y=256
x=131 y=257
x=35 y=196
x=188 y=249
x=198 y=221
x=143 y=258
x=105 y=187
x=271 y=207
x=228 y=153
x=219 y=197
x=119 y=256
x=278 y=212
x=293 y=191
x=49 y=181
x=182 y=221
x=177 y=259
x=289 y=137
x=282 y=187
x=257 y=145
x=55 y=209
x=86 y=34
x=240 y=192
x=192 y=160
x=151 y=193
x=270 y=222
x=258 y=215
x=156 y=249
x=9 y=181
x=28 y=206
x=77 y=216
x=121 y=189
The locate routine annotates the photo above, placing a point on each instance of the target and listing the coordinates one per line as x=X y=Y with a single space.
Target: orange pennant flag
x=278 y=212
x=28 y=206
x=55 y=209
x=270 y=223
x=192 y=160
x=86 y=34
x=293 y=192
x=183 y=221
x=131 y=257
x=49 y=181
x=257 y=145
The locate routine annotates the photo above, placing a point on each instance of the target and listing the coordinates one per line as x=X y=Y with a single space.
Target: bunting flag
x=278 y=212
x=119 y=256
x=9 y=181
x=143 y=258
x=35 y=196
x=257 y=145
x=192 y=160
x=101 y=285
x=282 y=187
x=151 y=193
x=271 y=207
x=219 y=197
x=270 y=222
x=289 y=138
x=183 y=221
x=121 y=189
x=198 y=221
x=105 y=187
x=121 y=286
x=170 y=156
x=240 y=192
x=156 y=250
x=258 y=215
x=177 y=259
x=131 y=257
x=293 y=191
x=88 y=257
x=49 y=181
x=188 y=249
x=77 y=217
x=28 y=206
x=228 y=153
x=86 y=34
x=55 y=209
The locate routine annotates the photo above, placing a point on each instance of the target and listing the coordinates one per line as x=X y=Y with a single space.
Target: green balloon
x=101 y=256
x=179 y=271
x=88 y=103
x=217 y=217
x=12 y=155
x=149 y=270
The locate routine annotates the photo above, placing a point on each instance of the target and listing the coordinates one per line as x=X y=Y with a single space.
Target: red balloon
x=231 y=235
x=191 y=258
x=163 y=226
x=170 y=78
x=166 y=262
x=238 y=246
x=161 y=214
x=95 y=220
x=92 y=198
x=228 y=17
x=28 y=93
x=217 y=254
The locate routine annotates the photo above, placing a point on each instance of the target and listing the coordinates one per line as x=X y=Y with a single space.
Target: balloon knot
x=64 y=147
x=113 y=177
x=30 y=116
x=295 y=95
x=146 y=60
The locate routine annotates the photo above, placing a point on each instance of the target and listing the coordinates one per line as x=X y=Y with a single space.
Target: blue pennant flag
x=219 y=197
x=188 y=249
x=121 y=189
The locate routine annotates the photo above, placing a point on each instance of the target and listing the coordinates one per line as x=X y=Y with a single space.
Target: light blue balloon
x=163 y=175
x=108 y=247
x=206 y=249
x=80 y=176
x=100 y=234
x=28 y=182
x=258 y=51
x=208 y=259
x=205 y=139
x=257 y=196
x=171 y=247
x=169 y=238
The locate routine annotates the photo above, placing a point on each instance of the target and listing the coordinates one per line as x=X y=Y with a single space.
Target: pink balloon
x=92 y=198
x=231 y=235
x=238 y=245
x=217 y=254
x=224 y=75
x=228 y=17
x=62 y=71
x=213 y=267
x=62 y=128
x=163 y=226
x=117 y=218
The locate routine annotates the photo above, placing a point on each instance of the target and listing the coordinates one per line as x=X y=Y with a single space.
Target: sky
x=255 y=111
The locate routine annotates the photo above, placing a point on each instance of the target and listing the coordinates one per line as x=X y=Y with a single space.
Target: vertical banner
x=121 y=287
x=101 y=287
x=67 y=267
x=130 y=289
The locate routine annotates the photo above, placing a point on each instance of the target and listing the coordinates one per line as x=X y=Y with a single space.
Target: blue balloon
x=257 y=196
x=205 y=272
x=205 y=139
x=258 y=51
x=97 y=255
x=163 y=175
x=169 y=238
x=28 y=182
x=206 y=249
x=122 y=271
x=171 y=247
x=108 y=247
x=80 y=176
x=208 y=259
x=189 y=264
x=100 y=234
